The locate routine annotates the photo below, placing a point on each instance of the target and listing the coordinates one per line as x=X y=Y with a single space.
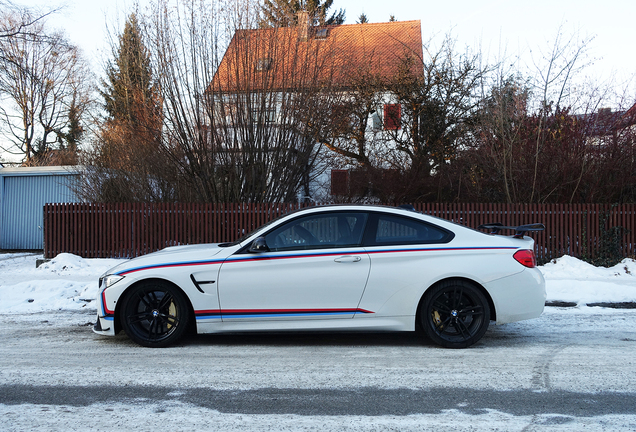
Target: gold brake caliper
x=437 y=319
x=172 y=311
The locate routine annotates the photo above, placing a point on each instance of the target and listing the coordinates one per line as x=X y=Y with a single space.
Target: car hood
x=170 y=255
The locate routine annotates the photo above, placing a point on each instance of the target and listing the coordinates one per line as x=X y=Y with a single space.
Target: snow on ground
x=183 y=417
x=69 y=282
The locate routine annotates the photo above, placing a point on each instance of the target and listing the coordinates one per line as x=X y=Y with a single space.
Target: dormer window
x=322 y=33
x=264 y=64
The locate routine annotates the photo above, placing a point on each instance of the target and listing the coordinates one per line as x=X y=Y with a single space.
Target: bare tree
x=499 y=169
x=245 y=129
x=579 y=158
x=498 y=135
x=555 y=69
x=351 y=133
x=41 y=76
x=22 y=19
x=438 y=96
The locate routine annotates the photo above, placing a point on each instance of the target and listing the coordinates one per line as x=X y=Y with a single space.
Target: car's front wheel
x=155 y=314
x=454 y=314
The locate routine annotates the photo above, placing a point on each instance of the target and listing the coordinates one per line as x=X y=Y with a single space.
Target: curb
x=620 y=305
x=612 y=305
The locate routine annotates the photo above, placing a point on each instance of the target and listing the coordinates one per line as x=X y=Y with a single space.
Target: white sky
x=519 y=25
x=491 y=26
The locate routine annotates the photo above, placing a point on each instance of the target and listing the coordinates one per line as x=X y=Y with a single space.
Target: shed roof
x=39 y=171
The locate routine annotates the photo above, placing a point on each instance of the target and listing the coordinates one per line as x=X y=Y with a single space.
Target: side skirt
x=398 y=323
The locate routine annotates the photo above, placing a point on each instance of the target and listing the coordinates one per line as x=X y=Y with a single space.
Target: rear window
x=397 y=230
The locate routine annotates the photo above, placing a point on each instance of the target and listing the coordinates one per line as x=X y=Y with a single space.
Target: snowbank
x=67 y=282
x=569 y=279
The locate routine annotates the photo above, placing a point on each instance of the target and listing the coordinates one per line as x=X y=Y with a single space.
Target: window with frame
x=392 y=116
x=341 y=118
x=376 y=121
x=322 y=33
x=264 y=64
x=322 y=231
x=397 y=230
x=267 y=115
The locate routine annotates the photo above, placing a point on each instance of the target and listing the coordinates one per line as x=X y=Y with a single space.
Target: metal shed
x=23 y=193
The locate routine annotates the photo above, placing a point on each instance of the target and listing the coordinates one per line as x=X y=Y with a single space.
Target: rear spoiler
x=520 y=230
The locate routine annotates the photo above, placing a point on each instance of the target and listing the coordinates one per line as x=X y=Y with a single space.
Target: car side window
x=320 y=231
x=396 y=230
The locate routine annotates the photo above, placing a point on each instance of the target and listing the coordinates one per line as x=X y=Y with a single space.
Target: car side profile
x=330 y=268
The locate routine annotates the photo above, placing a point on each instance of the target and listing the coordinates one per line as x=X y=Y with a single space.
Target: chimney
x=303 y=26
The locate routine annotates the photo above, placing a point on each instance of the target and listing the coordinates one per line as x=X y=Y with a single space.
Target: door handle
x=348 y=259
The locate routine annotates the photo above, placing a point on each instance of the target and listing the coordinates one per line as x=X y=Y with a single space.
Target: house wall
x=377 y=138
x=23 y=193
x=320 y=177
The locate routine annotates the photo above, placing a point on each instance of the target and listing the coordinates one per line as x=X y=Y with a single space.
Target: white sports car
x=332 y=268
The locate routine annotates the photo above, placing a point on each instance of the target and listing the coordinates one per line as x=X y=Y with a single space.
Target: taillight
x=526 y=258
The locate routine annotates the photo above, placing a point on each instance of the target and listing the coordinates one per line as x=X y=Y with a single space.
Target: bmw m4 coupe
x=330 y=268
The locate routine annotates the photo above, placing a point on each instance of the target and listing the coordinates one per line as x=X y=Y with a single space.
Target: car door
x=313 y=268
x=405 y=252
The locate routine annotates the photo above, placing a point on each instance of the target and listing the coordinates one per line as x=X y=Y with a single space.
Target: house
x=23 y=193
x=605 y=126
x=311 y=75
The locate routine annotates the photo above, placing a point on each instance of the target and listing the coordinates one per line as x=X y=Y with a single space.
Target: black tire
x=454 y=314
x=155 y=314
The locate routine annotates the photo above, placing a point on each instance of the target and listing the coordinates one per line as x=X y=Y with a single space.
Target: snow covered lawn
x=69 y=282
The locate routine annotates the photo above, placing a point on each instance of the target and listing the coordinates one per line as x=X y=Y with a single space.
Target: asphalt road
x=564 y=371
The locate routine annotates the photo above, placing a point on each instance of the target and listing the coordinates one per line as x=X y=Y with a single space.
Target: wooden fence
x=132 y=229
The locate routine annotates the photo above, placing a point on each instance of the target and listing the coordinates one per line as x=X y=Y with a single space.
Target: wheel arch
x=491 y=304
x=118 y=305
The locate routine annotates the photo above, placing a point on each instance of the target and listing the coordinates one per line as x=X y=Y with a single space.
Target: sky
x=497 y=28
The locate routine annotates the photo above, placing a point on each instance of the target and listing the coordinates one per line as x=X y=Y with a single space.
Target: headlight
x=109 y=280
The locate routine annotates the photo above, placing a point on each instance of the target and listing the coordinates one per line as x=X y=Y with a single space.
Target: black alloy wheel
x=155 y=314
x=455 y=314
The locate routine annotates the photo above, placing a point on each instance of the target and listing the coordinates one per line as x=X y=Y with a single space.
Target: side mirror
x=258 y=246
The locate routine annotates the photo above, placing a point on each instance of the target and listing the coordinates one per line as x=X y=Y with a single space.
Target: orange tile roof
x=630 y=115
x=278 y=58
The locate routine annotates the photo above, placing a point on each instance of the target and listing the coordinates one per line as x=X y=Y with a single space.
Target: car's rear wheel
x=454 y=314
x=155 y=314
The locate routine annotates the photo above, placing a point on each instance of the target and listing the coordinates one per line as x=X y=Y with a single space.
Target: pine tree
x=129 y=90
x=284 y=13
x=362 y=19
x=73 y=136
x=128 y=156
